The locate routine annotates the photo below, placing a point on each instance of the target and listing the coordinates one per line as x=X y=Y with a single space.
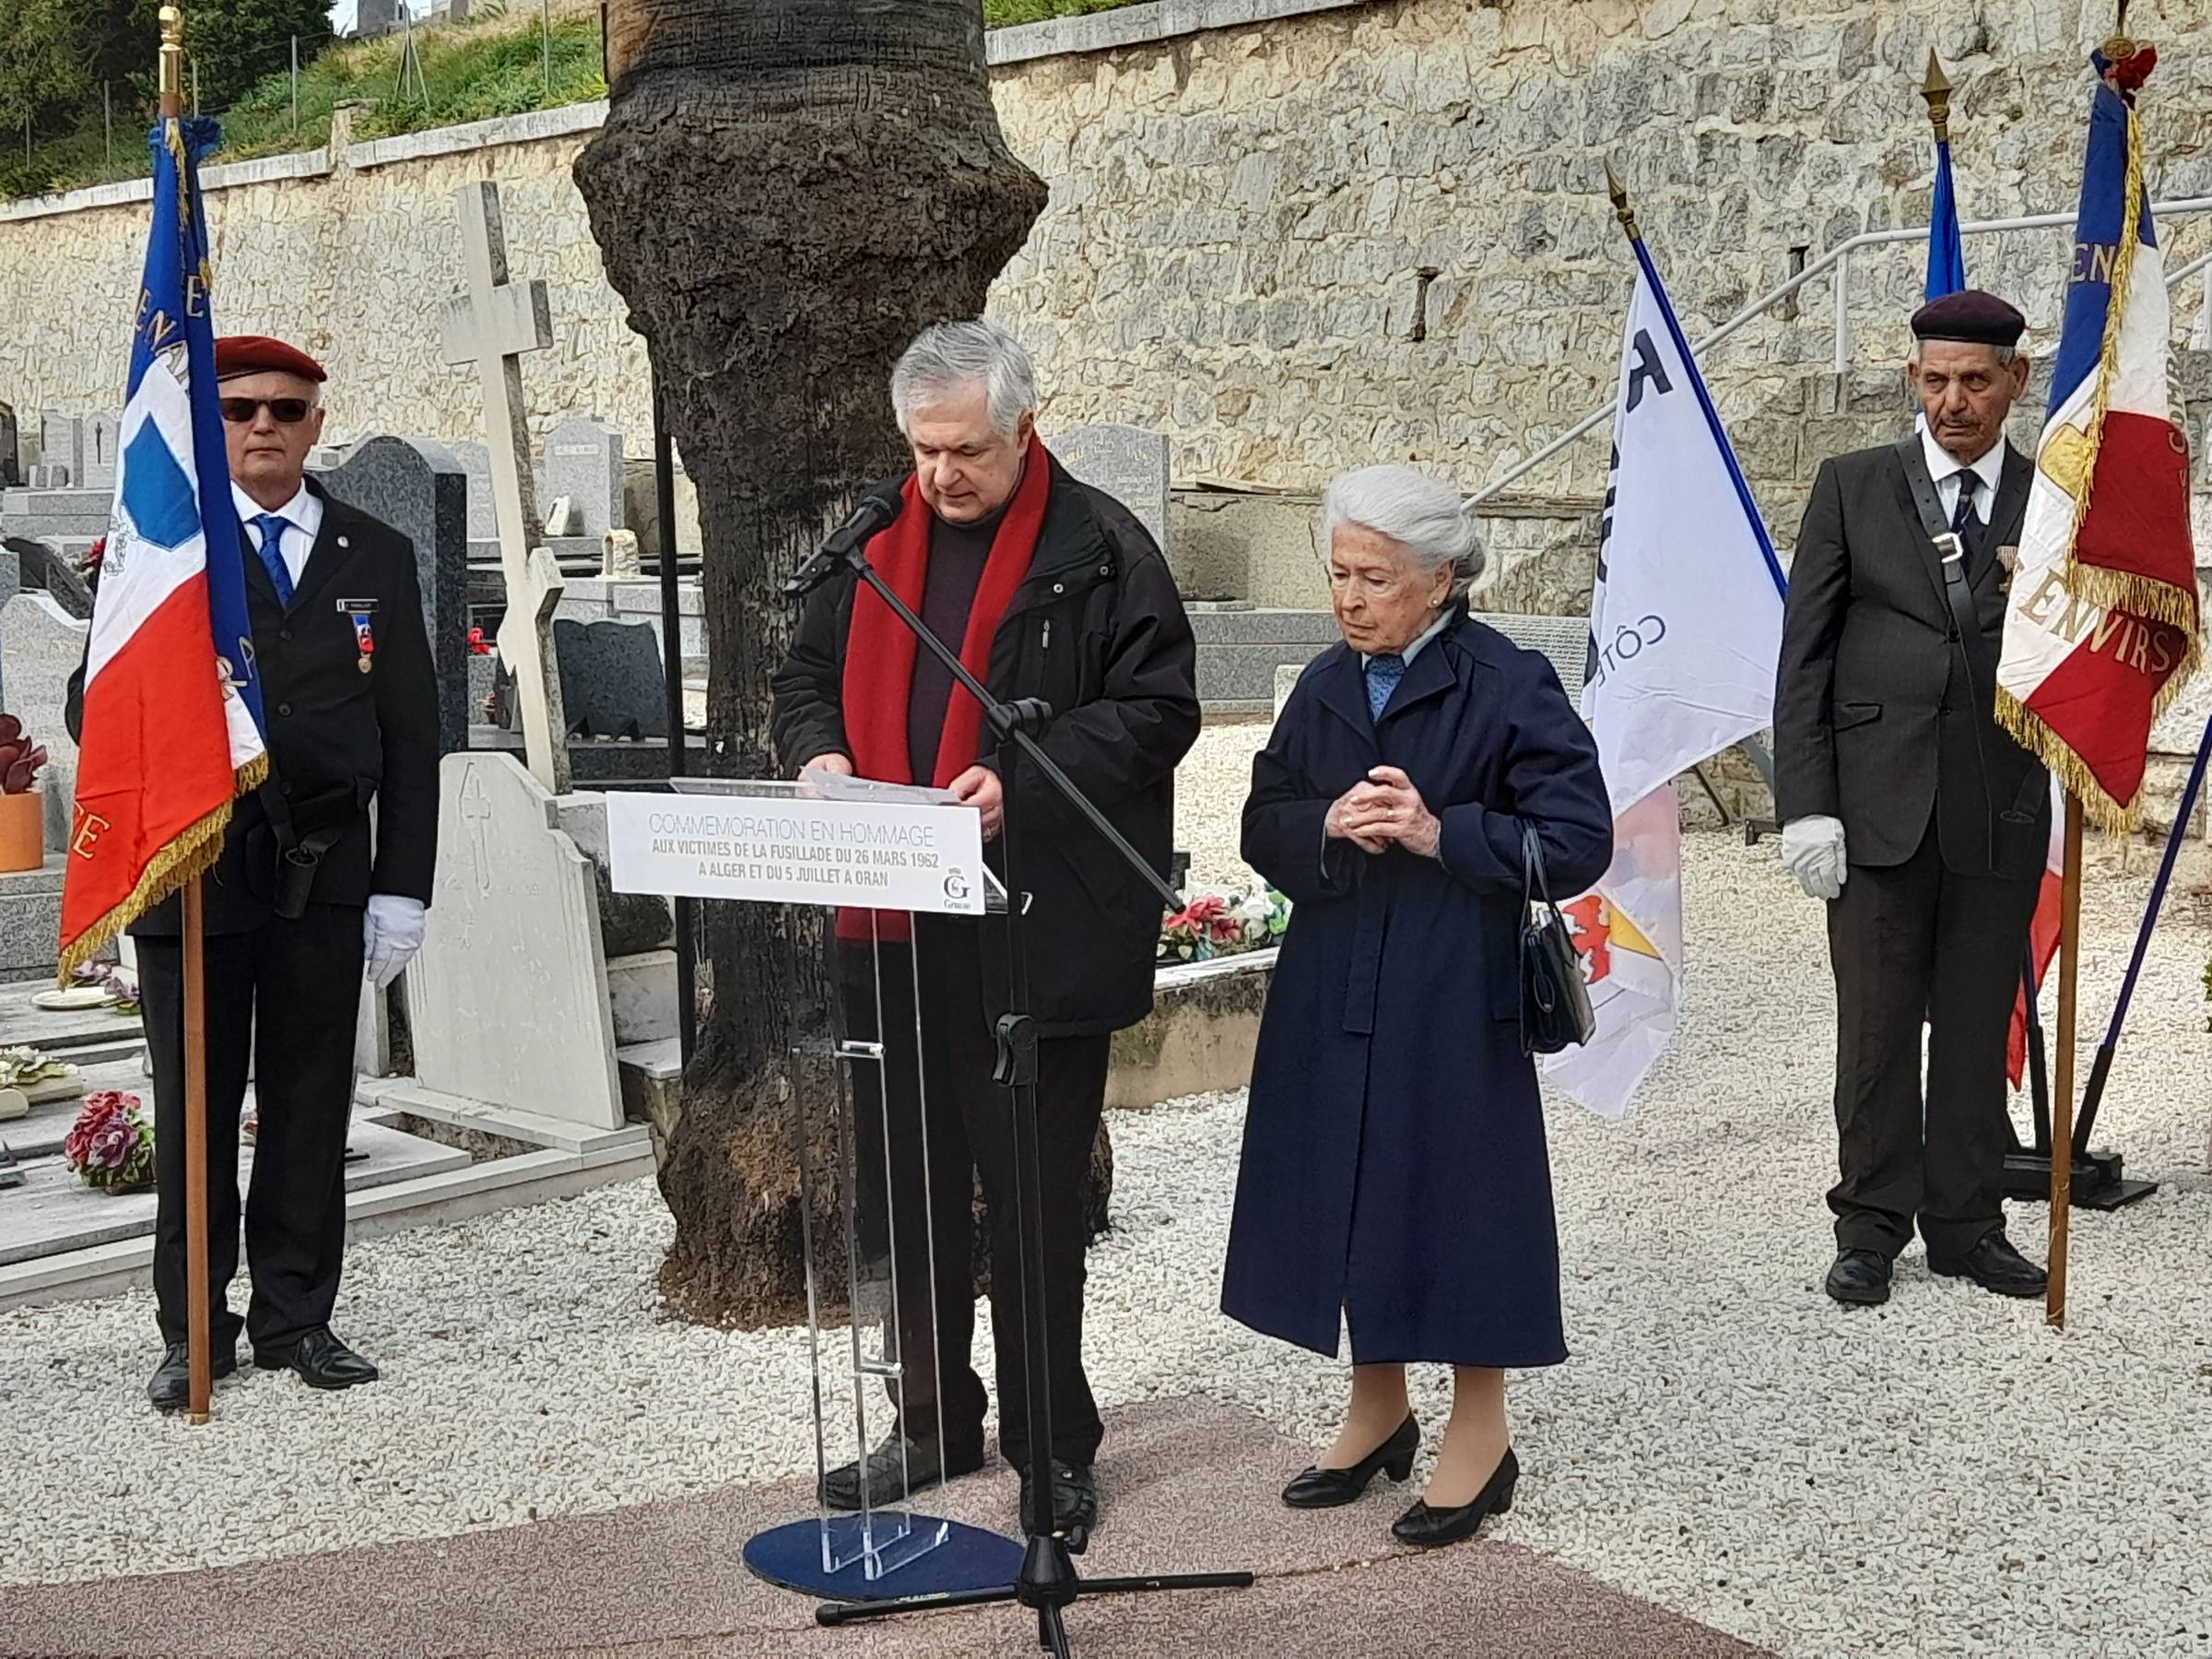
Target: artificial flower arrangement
x=1224 y=922
x=112 y=1145
x=118 y=982
x=26 y=1068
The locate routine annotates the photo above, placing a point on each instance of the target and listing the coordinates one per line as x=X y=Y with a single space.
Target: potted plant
x=112 y=1146
x=22 y=812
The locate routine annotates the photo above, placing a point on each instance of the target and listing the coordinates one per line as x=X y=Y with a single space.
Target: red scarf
x=879 y=651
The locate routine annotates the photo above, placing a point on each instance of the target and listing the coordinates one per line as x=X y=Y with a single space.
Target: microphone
x=870 y=514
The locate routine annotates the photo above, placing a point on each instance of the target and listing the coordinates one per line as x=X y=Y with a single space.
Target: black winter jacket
x=1098 y=631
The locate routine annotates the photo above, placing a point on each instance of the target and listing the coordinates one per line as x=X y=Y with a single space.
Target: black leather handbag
x=1554 y=999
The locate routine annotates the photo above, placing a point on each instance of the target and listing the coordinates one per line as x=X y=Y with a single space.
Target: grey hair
x=949 y=356
x=1421 y=514
x=2005 y=354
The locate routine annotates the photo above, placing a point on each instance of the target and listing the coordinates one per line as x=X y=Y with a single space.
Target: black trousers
x=936 y=1139
x=1916 y=943
x=292 y=989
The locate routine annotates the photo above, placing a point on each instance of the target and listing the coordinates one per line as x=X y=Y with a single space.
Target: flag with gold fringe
x=2101 y=627
x=172 y=721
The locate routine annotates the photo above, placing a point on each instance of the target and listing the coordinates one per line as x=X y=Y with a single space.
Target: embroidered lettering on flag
x=2102 y=627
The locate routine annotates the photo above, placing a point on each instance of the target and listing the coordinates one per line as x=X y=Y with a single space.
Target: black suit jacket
x=335 y=732
x=1874 y=722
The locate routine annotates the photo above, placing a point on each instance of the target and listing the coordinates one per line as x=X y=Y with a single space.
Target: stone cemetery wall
x=1358 y=229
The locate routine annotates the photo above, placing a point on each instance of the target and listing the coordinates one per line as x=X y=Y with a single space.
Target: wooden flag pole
x=2062 y=1091
x=198 y=1336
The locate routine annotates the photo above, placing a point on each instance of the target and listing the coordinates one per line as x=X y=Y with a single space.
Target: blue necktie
x=272 y=553
x=1383 y=673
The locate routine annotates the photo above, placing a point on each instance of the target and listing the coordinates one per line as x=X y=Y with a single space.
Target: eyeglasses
x=284 y=411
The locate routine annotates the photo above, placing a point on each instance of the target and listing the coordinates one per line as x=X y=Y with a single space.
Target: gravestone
x=507 y=1001
x=611 y=682
x=483 y=511
x=61 y=446
x=1129 y=463
x=41 y=566
x=583 y=465
x=11 y=584
x=99 y=432
x=418 y=489
x=11 y=468
x=41 y=645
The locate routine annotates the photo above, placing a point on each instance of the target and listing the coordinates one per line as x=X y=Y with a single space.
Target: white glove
x=390 y=935
x=1812 y=851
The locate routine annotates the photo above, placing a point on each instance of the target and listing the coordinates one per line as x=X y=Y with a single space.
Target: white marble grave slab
x=508 y=1000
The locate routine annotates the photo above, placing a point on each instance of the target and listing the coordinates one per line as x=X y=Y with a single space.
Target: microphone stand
x=1048 y=1583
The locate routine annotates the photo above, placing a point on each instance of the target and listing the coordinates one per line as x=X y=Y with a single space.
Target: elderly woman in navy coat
x=1394 y=1172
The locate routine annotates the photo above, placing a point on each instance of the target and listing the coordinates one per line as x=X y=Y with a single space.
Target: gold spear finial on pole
x=173 y=62
x=1936 y=90
x=1621 y=210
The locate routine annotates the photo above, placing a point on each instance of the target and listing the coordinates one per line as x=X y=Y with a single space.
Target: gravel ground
x=1942 y=1475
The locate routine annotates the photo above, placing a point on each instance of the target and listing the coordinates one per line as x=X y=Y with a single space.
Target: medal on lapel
x=364 y=637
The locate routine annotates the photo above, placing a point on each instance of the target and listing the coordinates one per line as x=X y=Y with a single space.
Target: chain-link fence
x=420 y=72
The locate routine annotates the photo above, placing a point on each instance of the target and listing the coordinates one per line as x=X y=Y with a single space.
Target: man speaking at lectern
x=1048 y=589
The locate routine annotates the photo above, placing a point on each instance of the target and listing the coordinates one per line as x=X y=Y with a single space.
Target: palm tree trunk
x=785 y=193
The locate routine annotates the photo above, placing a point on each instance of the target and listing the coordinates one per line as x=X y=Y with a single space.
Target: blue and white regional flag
x=1685 y=630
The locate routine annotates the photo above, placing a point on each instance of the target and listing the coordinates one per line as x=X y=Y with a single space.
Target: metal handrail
x=1838 y=259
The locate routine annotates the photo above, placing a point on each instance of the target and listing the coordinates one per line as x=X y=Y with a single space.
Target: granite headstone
x=418 y=488
x=99 y=435
x=42 y=565
x=583 y=465
x=11 y=469
x=611 y=683
x=42 y=645
x=483 y=511
x=61 y=445
x=1129 y=463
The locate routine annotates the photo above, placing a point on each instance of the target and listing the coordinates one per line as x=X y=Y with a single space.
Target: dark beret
x=257 y=354
x=1969 y=315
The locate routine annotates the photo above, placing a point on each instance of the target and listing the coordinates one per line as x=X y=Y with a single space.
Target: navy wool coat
x=1395 y=1165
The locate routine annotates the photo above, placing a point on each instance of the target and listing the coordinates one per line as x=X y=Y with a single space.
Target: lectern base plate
x=789 y=1558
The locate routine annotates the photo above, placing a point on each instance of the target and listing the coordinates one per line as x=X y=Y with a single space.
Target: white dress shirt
x=1945 y=470
x=304 y=513
x=1428 y=634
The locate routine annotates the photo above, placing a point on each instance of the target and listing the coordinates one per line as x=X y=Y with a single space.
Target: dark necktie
x=272 y=529
x=1383 y=673
x=1966 y=522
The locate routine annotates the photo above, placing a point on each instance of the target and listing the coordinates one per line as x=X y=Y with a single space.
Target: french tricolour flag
x=173 y=729
x=2101 y=624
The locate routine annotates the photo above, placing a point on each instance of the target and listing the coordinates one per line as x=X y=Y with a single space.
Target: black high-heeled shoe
x=1326 y=1489
x=1425 y=1528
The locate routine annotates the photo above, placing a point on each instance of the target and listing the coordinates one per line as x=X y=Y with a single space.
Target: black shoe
x=1075 y=1504
x=923 y=1466
x=172 y=1388
x=1860 y=1278
x=322 y=1360
x=1325 y=1489
x=1425 y=1528
x=1995 y=1266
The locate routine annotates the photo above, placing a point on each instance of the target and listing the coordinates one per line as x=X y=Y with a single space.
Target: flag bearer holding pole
x=257 y=672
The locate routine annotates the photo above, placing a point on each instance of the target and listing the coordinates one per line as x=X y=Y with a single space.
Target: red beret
x=257 y=354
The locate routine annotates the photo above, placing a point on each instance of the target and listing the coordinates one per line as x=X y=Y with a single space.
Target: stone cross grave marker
x=491 y=326
x=1129 y=463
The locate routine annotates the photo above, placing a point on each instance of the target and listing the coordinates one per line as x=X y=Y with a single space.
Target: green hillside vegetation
x=493 y=65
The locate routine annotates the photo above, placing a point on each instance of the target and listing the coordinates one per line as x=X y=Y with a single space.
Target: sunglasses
x=284 y=411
